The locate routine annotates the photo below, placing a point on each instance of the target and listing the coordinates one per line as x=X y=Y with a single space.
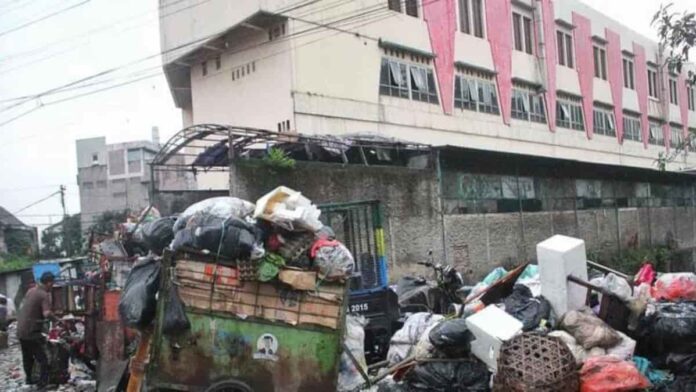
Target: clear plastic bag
x=221 y=207
x=333 y=259
x=404 y=340
x=349 y=377
x=288 y=209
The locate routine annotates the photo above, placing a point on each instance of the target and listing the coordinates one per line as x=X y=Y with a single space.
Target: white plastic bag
x=624 y=349
x=578 y=352
x=349 y=377
x=404 y=340
x=220 y=207
x=617 y=286
x=288 y=209
x=333 y=259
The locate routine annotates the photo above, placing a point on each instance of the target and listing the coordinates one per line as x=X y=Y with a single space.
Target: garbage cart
x=244 y=335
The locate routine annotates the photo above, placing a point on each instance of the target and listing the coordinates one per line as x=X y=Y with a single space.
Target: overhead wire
x=37 y=202
x=41 y=19
x=318 y=26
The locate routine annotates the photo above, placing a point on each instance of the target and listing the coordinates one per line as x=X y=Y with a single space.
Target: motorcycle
x=441 y=296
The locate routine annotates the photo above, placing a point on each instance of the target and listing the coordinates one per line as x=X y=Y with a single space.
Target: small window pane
x=569 y=50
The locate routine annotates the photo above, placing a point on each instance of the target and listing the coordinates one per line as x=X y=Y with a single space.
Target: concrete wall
x=174 y=202
x=409 y=197
x=478 y=242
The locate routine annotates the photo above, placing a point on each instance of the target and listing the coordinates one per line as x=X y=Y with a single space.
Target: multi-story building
x=116 y=177
x=541 y=78
x=548 y=116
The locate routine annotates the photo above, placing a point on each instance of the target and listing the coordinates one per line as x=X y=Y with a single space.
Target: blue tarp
x=40 y=268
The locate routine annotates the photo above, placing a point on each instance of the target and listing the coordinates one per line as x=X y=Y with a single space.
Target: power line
x=41 y=19
x=37 y=202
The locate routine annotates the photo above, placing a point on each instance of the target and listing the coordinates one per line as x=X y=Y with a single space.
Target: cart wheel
x=229 y=386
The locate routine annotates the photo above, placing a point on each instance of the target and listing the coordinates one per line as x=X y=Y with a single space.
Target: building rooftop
x=7 y=219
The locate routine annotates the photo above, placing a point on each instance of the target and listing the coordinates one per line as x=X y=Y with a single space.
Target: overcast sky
x=37 y=151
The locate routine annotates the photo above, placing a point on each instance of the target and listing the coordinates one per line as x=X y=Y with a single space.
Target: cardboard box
x=298 y=279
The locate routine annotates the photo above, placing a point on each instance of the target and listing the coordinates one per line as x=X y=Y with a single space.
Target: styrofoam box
x=491 y=327
x=558 y=257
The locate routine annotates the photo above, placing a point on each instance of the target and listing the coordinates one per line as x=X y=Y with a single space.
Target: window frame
x=472 y=12
x=690 y=98
x=673 y=91
x=476 y=84
x=599 y=54
x=522 y=36
x=406 y=7
x=628 y=67
x=657 y=127
x=407 y=87
x=676 y=133
x=604 y=121
x=653 y=90
x=564 y=48
x=572 y=110
x=527 y=105
x=633 y=127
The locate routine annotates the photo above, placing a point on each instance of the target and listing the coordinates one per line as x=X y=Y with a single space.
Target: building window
x=87 y=185
x=409 y=6
x=95 y=158
x=652 y=83
x=564 y=43
x=603 y=120
x=676 y=139
x=476 y=92
x=135 y=157
x=632 y=129
x=673 y=93
x=471 y=17
x=101 y=184
x=218 y=62
x=629 y=80
x=527 y=105
x=600 y=63
x=656 y=136
x=404 y=80
x=691 y=138
x=204 y=68
x=276 y=31
x=522 y=29
x=690 y=97
x=569 y=113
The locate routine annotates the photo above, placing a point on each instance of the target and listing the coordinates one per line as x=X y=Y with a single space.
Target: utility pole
x=66 y=243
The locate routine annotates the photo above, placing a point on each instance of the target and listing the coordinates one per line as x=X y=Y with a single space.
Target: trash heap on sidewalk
x=549 y=327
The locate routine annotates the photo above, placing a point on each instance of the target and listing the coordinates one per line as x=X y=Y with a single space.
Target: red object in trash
x=646 y=274
x=675 y=286
x=611 y=374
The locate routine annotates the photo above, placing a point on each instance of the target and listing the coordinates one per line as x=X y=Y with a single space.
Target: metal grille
x=358 y=226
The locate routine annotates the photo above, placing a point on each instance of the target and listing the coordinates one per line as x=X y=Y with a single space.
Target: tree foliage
x=106 y=222
x=64 y=240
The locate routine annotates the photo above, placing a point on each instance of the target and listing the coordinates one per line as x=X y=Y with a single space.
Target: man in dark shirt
x=35 y=309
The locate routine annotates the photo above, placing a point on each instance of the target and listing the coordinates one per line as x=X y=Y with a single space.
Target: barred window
x=477 y=94
x=632 y=129
x=603 y=120
x=569 y=114
x=528 y=105
x=411 y=81
x=656 y=135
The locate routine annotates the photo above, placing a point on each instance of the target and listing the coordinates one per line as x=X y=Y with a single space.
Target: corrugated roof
x=7 y=219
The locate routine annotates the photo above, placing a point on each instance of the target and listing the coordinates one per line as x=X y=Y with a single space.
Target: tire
x=229 y=386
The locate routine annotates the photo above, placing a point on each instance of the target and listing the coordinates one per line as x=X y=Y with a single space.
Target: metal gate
x=359 y=226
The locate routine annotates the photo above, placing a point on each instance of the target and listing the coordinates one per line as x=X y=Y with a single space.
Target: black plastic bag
x=529 y=310
x=667 y=328
x=451 y=337
x=158 y=234
x=138 y=302
x=466 y=375
x=175 y=320
x=681 y=363
x=685 y=383
x=233 y=238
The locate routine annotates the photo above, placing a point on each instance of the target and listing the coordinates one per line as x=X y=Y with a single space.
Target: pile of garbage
x=564 y=324
x=278 y=238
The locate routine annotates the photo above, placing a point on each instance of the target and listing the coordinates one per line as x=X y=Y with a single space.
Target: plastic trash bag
x=610 y=374
x=333 y=259
x=175 y=319
x=679 y=384
x=465 y=375
x=655 y=376
x=624 y=349
x=231 y=238
x=579 y=353
x=617 y=286
x=646 y=274
x=220 y=207
x=158 y=234
x=138 y=301
x=491 y=278
x=677 y=286
x=530 y=278
x=402 y=343
x=589 y=330
x=269 y=267
x=349 y=377
x=674 y=321
x=681 y=363
x=451 y=337
x=288 y=209
x=529 y=310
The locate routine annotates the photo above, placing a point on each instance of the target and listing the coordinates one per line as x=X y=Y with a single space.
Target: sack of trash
x=333 y=259
x=668 y=327
x=526 y=308
x=230 y=237
x=175 y=319
x=611 y=374
x=617 y=286
x=589 y=330
x=220 y=207
x=404 y=340
x=158 y=234
x=675 y=286
x=349 y=377
x=445 y=376
x=138 y=301
x=288 y=209
x=579 y=353
x=451 y=337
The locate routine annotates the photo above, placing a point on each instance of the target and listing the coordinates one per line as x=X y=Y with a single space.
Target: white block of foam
x=491 y=327
x=558 y=257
